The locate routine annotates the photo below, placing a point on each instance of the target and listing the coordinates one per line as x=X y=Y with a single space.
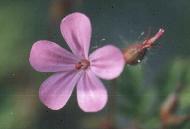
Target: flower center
x=83 y=64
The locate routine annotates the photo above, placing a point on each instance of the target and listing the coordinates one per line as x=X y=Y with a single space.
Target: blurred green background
x=135 y=97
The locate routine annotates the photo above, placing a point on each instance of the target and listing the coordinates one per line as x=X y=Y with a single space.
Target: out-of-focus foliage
x=141 y=102
x=18 y=109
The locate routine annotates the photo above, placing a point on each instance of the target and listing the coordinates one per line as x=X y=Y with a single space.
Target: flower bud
x=135 y=53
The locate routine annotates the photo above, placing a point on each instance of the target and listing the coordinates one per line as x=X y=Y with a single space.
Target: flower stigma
x=83 y=64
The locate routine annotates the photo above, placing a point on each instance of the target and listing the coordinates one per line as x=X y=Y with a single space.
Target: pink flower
x=76 y=68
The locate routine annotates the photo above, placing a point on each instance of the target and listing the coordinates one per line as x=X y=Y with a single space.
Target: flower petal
x=46 y=56
x=76 y=30
x=91 y=93
x=57 y=89
x=107 y=62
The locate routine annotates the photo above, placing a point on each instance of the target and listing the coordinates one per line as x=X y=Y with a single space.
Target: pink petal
x=57 y=89
x=46 y=56
x=76 y=30
x=107 y=62
x=91 y=93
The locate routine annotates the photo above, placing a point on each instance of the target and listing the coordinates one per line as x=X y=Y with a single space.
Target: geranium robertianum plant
x=79 y=68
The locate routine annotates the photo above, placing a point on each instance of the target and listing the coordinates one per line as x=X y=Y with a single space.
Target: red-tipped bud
x=136 y=52
x=149 y=42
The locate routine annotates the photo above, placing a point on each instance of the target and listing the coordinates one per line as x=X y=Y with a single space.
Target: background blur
x=136 y=97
